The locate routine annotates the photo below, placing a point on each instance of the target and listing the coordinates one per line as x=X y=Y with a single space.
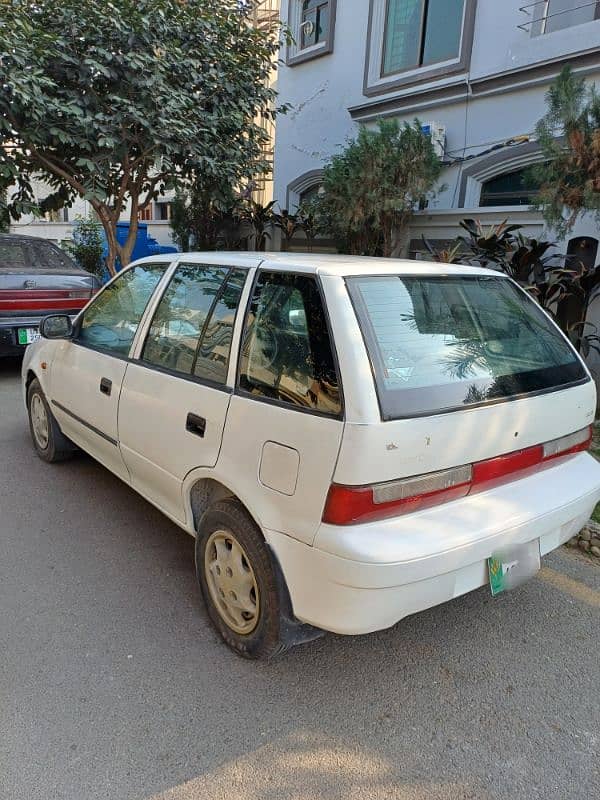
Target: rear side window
x=286 y=350
x=442 y=343
x=191 y=330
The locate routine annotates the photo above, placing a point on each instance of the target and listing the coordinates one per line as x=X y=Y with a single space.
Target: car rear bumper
x=363 y=578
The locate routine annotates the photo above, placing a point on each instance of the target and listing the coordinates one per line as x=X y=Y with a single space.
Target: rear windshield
x=16 y=254
x=443 y=343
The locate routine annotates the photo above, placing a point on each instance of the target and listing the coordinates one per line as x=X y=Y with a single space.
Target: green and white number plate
x=27 y=335
x=513 y=565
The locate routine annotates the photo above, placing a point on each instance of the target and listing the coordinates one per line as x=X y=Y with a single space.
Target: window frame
x=377 y=82
x=151 y=311
x=141 y=324
x=239 y=391
x=295 y=53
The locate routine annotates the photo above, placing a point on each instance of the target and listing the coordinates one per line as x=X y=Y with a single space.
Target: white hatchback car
x=350 y=440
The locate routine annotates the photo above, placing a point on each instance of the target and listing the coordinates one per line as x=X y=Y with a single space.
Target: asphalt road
x=113 y=684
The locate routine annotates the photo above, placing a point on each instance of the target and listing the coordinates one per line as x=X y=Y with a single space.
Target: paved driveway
x=113 y=685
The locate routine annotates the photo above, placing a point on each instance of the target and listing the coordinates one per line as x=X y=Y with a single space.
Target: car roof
x=327 y=264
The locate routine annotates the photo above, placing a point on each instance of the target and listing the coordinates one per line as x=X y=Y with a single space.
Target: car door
x=175 y=396
x=285 y=420
x=87 y=371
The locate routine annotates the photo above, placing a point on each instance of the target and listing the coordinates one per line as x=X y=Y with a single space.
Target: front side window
x=421 y=32
x=111 y=321
x=192 y=327
x=442 y=343
x=286 y=348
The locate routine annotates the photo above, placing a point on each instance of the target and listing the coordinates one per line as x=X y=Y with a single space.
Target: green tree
x=371 y=188
x=87 y=245
x=202 y=214
x=117 y=102
x=569 y=135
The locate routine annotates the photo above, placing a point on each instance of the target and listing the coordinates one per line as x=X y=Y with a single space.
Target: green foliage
x=371 y=188
x=258 y=217
x=118 y=102
x=4 y=215
x=87 y=245
x=202 y=214
x=569 y=135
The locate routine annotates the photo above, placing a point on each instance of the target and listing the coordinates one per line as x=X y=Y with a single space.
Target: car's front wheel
x=48 y=439
x=238 y=581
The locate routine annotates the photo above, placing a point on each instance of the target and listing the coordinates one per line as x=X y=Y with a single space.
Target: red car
x=36 y=278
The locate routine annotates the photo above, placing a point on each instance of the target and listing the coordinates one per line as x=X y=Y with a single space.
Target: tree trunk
x=126 y=250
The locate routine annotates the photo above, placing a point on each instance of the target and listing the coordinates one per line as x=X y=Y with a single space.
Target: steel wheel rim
x=231 y=582
x=39 y=421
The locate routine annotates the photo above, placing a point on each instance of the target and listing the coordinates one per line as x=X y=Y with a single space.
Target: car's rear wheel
x=49 y=441
x=238 y=581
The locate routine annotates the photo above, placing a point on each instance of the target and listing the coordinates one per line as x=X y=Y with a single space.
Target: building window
x=420 y=32
x=312 y=23
x=517 y=188
x=412 y=41
x=548 y=16
x=314 y=26
x=163 y=211
x=145 y=214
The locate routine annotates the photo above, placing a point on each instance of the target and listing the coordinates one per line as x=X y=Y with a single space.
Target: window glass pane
x=517 y=188
x=314 y=22
x=111 y=322
x=286 y=352
x=441 y=343
x=14 y=255
x=179 y=319
x=443 y=30
x=567 y=13
x=50 y=257
x=213 y=354
x=402 y=38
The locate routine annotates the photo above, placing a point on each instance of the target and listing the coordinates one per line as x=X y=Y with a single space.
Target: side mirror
x=56 y=326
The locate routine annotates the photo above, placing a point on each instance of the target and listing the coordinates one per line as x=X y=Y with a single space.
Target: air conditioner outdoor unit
x=437 y=133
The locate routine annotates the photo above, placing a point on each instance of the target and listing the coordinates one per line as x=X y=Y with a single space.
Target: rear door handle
x=195 y=424
x=105 y=386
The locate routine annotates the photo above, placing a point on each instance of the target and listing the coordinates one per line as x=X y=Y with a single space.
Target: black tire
x=57 y=447
x=265 y=640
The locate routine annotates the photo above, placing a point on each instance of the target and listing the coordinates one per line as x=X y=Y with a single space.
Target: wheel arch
x=203 y=491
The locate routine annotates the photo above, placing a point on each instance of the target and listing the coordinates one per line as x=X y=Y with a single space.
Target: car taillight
x=348 y=504
x=81 y=294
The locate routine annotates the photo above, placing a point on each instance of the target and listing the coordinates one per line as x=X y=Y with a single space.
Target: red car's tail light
x=348 y=504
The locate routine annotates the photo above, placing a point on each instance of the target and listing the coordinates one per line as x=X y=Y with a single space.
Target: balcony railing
x=546 y=16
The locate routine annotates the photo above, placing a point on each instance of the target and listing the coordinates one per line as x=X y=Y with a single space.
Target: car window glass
x=49 y=257
x=181 y=315
x=212 y=357
x=111 y=322
x=14 y=255
x=286 y=351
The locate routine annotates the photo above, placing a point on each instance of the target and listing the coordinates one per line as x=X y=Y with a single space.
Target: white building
x=58 y=225
x=477 y=69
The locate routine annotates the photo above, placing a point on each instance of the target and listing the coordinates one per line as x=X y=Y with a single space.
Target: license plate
x=513 y=566
x=27 y=335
